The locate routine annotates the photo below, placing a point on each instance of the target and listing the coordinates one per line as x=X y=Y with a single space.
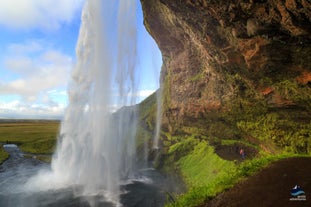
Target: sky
x=37 y=44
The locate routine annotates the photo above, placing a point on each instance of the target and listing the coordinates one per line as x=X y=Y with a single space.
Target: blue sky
x=37 y=44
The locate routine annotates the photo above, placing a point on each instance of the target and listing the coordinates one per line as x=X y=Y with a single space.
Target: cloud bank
x=46 y=14
x=20 y=109
x=34 y=69
x=37 y=75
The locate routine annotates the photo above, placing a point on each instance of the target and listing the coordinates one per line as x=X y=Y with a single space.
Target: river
x=148 y=189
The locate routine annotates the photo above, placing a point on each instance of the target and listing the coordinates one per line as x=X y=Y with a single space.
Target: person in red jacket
x=242 y=153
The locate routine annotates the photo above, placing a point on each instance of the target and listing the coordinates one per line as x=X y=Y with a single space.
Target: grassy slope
x=38 y=137
x=206 y=174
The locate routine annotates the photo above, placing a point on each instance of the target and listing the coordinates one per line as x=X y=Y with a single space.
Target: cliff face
x=227 y=59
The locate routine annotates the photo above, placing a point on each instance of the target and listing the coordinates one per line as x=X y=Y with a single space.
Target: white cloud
x=145 y=93
x=18 y=64
x=24 y=109
x=38 y=77
x=55 y=92
x=47 y=14
x=34 y=74
x=30 y=46
x=141 y=94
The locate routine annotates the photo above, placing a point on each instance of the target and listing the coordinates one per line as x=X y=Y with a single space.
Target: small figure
x=242 y=153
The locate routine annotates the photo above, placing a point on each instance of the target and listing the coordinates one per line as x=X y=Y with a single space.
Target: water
x=158 y=119
x=96 y=150
x=148 y=188
x=95 y=160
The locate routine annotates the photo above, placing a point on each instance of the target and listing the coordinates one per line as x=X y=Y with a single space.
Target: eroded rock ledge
x=221 y=55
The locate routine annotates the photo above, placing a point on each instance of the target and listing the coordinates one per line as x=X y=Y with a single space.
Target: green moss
x=142 y=135
x=250 y=114
x=222 y=130
x=197 y=77
x=214 y=175
x=247 y=118
x=294 y=137
x=291 y=90
x=193 y=130
x=183 y=147
x=201 y=166
x=146 y=106
x=233 y=142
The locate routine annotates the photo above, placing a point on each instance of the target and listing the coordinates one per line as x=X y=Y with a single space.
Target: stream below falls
x=149 y=189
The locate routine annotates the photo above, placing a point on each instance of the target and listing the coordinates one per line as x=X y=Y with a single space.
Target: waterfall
x=158 y=119
x=96 y=148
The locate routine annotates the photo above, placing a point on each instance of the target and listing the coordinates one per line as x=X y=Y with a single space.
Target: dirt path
x=270 y=187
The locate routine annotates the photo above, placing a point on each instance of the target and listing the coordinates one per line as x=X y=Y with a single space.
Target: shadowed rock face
x=221 y=55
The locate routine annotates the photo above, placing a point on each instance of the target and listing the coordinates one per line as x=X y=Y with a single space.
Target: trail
x=270 y=187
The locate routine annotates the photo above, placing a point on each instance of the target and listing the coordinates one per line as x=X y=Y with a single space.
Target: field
x=32 y=136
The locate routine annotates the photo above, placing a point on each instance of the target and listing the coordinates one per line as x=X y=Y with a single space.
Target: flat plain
x=32 y=136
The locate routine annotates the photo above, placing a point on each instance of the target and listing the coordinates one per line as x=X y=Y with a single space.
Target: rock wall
x=221 y=56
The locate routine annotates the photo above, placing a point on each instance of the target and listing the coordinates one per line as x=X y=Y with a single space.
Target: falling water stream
x=94 y=163
x=95 y=151
x=158 y=119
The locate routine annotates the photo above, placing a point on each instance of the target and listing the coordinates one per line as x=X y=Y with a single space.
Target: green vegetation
x=233 y=142
x=291 y=90
x=278 y=121
x=189 y=146
x=201 y=169
x=206 y=174
x=199 y=76
x=290 y=135
x=37 y=137
x=3 y=154
x=202 y=165
x=273 y=127
x=147 y=111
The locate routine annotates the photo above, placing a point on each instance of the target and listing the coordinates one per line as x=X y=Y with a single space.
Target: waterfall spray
x=158 y=119
x=96 y=149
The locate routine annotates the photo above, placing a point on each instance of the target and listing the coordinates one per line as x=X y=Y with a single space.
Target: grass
x=37 y=137
x=202 y=165
x=3 y=154
x=206 y=174
x=201 y=168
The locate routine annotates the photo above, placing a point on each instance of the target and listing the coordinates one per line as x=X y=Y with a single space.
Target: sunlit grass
x=37 y=137
x=201 y=169
x=206 y=174
x=202 y=165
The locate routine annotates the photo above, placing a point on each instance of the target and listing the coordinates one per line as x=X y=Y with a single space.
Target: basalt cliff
x=235 y=70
